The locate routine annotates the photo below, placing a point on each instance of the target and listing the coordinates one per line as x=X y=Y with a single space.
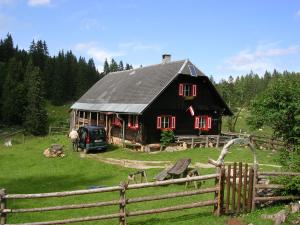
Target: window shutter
x=194 y=90
x=136 y=122
x=129 y=121
x=208 y=122
x=180 y=89
x=196 y=125
x=173 y=124
x=158 y=122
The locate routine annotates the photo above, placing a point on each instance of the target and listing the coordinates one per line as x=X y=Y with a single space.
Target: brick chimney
x=166 y=58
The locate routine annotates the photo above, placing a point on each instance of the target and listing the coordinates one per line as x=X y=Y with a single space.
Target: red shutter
x=208 y=122
x=194 y=90
x=180 y=89
x=158 y=122
x=129 y=121
x=196 y=124
x=173 y=123
x=136 y=122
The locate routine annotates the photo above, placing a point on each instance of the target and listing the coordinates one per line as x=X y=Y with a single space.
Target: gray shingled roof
x=131 y=91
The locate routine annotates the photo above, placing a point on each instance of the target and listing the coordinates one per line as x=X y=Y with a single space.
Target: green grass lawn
x=24 y=169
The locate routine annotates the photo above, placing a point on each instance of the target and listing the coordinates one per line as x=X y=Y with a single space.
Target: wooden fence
x=123 y=213
x=18 y=136
x=236 y=190
x=58 y=130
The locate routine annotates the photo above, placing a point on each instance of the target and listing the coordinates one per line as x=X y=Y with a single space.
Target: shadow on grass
x=51 y=183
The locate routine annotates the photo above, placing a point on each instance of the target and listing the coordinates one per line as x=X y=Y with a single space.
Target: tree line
x=30 y=78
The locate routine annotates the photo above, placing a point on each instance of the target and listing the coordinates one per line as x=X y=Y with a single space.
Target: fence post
x=122 y=218
x=221 y=192
x=251 y=189
x=228 y=189
x=218 y=141
x=2 y=206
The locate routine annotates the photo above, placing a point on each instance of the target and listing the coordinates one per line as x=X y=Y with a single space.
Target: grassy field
x=24 y=169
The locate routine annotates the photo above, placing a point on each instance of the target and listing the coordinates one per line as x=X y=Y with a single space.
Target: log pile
x=55 y=150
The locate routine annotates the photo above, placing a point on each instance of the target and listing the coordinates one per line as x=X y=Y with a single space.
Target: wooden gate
x=238 y=187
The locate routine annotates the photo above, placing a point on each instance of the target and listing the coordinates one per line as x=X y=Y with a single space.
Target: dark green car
x=92 y=138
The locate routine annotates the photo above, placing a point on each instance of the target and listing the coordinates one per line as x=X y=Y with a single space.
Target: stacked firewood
x=55 y=150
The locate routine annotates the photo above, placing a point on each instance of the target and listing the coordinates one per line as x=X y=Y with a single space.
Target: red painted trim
x=173 y=122
x=194 y=90
x=158 y=122
x=180 y=89
x=197 y=120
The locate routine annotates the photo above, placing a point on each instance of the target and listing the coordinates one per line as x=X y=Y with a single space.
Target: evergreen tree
x=113 y=67
x=13 y=96
x=6 y=49
x=127 y=67
x=121 y=66
x=106 y=69
x=36 y=119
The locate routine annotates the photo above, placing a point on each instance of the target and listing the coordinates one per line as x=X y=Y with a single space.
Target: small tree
x=279 y=107
x=167 y=137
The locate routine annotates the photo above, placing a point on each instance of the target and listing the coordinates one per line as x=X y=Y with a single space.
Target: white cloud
x=34 y=3
x=264 y=57
x=138 y=46
x=92 y=49
x=90 y=24
x=298 y=13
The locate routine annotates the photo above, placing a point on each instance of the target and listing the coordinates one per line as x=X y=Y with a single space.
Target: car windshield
x=97 y=134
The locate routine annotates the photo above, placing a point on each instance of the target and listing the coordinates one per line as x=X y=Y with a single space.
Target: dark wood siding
x=207 y=102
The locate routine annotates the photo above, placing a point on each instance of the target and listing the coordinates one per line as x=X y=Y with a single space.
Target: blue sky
x=221 y=37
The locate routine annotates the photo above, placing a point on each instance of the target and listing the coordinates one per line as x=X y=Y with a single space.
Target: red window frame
x=133 y=121
x=197 y=122
x=160 y=124
x=182 y=90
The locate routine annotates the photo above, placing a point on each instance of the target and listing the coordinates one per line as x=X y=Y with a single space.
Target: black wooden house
x=136 y=105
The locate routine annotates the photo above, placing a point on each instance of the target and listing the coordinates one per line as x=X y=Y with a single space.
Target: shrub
x=167 y=137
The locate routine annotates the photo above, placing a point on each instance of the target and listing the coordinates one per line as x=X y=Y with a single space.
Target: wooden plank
x=2 y=207
x=221 y=192
x=250 y=192
x=227 y=189
x=171 y=195
x=245 y=188
x=173 y=181
x=122 y=205
x=278 y=174
x=179 y=167
x=269 y=186
x=172 y=208
x=233 y=188
x=239 y=191
x=62 y=194
x=276 y=198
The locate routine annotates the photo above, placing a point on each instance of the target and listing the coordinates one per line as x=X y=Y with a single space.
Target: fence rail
x=122 y=201
x=235 y=191
x=58 y=130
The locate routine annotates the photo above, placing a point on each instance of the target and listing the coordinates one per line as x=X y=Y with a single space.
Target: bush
x=167 y=137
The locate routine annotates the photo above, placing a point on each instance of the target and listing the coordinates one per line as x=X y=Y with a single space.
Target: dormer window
x=187 y=90
x=133 y=122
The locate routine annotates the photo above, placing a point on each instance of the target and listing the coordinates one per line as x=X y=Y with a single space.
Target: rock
x=295 y=207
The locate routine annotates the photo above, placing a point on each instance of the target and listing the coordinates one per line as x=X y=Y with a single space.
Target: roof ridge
x=149 y=66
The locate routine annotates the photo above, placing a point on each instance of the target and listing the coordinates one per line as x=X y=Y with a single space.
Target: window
x=116 y=121
x=202 y=123
x=166 y=122
x=133 y=122
x=187 y=90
